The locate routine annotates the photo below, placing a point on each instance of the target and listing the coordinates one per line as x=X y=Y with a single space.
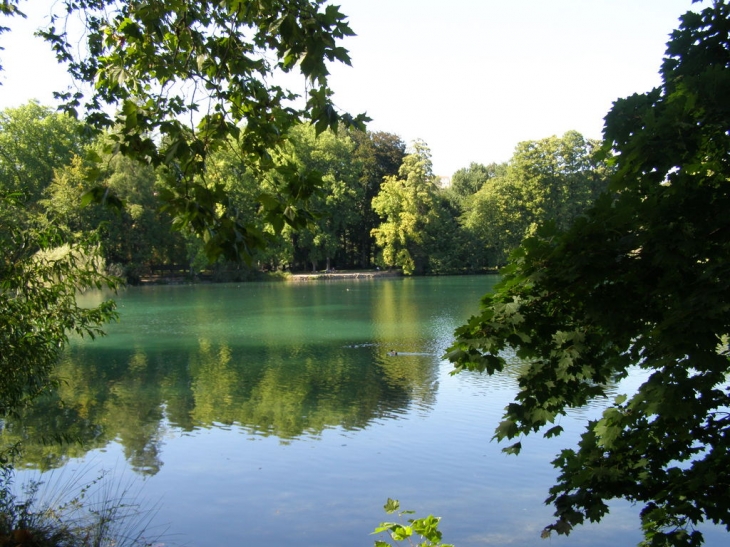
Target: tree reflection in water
x=133 y=397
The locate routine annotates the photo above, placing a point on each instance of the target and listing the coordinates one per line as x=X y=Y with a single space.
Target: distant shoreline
x=340 y=276
x=345 y=275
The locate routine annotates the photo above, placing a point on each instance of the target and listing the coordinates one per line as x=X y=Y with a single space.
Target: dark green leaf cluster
x=640 y=281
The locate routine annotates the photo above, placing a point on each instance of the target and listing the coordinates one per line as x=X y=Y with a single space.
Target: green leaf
x=400 y=532
x=506 y=429
x=391 y=506
x=553 y=431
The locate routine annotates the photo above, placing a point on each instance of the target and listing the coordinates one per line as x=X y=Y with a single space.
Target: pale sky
x=471 y=78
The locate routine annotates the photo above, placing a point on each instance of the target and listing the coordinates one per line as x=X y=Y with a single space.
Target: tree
x=496 y=220
x=330 y=155
x=639 y=282
x=171 y=81
x=33 y=142
x=380 y=155
x=550 y=180
x=407 y=206
x=558 y=178
x=226 y=169
x=469 y=180
x=41 y=271
x=148 y=67
x=451 y=250
x=133 y=237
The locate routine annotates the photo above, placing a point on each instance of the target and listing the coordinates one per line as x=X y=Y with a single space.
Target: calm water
x=272 y=414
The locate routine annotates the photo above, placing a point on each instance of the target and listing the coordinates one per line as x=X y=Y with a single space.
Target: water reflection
x=281 y=361
x=132 y=396
x=331 y=423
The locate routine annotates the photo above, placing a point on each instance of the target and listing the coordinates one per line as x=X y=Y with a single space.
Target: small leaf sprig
x=424 y=528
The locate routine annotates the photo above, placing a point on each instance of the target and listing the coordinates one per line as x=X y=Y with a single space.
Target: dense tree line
x=370 y=202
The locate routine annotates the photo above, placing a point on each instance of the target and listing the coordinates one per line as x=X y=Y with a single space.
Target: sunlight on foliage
x=422 y=532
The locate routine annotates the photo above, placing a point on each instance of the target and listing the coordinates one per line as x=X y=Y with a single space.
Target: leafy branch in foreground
x=639 y=282
x=426 y=528
x=172 y=81
x=41 y=272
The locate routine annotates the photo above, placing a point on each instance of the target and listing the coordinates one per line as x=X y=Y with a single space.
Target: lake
x=272 y=413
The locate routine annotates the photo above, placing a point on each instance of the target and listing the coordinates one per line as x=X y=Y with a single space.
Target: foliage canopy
x=549 y=180
x=34 y=141
x=407 y=206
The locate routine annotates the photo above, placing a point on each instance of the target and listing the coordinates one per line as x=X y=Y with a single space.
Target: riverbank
x=340 y=276
x=181 y=279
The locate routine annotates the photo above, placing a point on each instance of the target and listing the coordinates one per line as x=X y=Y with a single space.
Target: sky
x=471 y=78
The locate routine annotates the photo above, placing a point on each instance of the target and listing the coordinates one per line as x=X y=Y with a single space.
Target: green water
x=273 y=414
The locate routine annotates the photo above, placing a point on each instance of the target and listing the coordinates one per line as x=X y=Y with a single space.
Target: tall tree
x=379 y=155
x=640 y=282
x=495 y=220
x=558 y=178
x=329 y=154
x=226 y=169
x=550 y=180
x=407 y=205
